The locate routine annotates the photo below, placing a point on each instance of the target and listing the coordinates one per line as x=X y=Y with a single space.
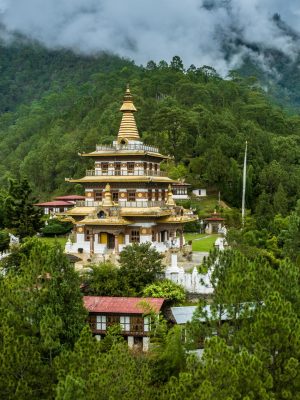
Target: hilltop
x=57 y=104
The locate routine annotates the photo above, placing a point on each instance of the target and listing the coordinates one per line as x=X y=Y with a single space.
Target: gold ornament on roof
x=107 y=201
x=128 y=129
x=170 y=201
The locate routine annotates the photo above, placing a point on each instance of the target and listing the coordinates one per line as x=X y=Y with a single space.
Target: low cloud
x=212 y=32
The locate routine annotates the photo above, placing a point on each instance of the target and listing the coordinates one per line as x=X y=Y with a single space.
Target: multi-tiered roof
x=126 y=186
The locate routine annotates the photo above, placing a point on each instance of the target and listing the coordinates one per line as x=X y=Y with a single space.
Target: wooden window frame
x=125 y=323
x=130 y=168
x=101 y=322
x=131 y=195
x=135 y=236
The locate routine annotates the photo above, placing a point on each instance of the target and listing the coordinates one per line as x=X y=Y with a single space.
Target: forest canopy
x=57 y=104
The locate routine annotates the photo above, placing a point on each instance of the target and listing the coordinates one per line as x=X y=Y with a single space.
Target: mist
x=202 y=32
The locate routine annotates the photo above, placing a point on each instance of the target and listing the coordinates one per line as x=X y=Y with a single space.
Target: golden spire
x=107 y=201
x=170 y=201
x=128 y=129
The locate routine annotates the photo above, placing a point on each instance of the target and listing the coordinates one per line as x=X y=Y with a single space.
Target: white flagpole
x=244 y=186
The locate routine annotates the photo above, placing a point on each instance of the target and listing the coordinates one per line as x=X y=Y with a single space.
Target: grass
x=51 y=240
x=205 y=242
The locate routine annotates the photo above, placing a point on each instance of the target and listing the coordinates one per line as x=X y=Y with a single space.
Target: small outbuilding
x=131 y=313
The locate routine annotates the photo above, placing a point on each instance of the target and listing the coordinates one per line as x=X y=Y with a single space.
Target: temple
x=128 y=199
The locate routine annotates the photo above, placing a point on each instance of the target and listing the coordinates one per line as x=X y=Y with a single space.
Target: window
x=145 y=167
x=117 y=168
x=131 y=195
x=113 y=320
x=125 y=323
x=130 y=167
x=101 y=215
x=87 y=234
x=155 y=167
x=101 y=322
x=115 y=195
x=163 y=194
x=137 y=324
x=135 y=236
x=150 y=194
x=156 y=194
x=98 y=195
x=104 y=167
x=147 y=324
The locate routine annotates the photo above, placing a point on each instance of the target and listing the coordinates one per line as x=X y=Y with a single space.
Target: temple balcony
x=132 y=146
x=136 y=204
x=92 y=172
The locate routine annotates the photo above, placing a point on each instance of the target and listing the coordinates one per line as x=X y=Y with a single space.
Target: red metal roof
x=214 y=219
x=70 y=197
x=181 y=184
x=55 y=204
x=121 y=305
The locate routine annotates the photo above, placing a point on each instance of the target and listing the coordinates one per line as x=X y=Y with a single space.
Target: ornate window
x=101 y=322
x=130 y=167
x=101 y=215
x=98 y=195
x=131 y=195
x=135 y=236
x=117 y=168
x=104 y=167
x=115 y=195
x=156 y=194
x=149 y=194
x=87 y=234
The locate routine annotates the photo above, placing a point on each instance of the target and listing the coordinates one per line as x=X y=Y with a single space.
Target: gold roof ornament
x=128 y=129
x=170 y=201
x=107 y=201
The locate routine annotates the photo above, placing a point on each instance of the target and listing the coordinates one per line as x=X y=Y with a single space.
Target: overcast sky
x=142 y=30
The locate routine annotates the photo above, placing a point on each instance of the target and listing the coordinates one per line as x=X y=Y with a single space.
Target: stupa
x=128 y=199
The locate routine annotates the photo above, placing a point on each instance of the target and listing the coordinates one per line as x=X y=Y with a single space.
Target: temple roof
x=128 y=129
x=120 y=178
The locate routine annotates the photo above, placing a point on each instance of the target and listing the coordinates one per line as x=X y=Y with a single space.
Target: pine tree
x=20 y=213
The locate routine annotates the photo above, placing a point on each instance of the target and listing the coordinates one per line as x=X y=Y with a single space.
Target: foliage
x=56 y=227
x=194 y=115
x=19 y=213
x=106 y=280
x=167 y=289
x=140 y=265
x=41 y=314
x=4 y=241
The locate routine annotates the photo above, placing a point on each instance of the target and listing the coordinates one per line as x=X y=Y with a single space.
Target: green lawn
x=205 y=242
x=51 y=240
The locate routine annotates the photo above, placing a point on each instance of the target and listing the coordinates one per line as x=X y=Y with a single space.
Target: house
x=180 y=191
x=199 y=192
x=60 y=204
x=131 y=313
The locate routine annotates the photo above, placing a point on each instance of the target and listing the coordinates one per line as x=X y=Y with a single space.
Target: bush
x=56 y=227
x=167 y=289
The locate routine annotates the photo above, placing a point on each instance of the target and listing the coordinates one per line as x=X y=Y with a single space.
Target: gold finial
x=128 y=129
x=170 y=201
x=107 y=201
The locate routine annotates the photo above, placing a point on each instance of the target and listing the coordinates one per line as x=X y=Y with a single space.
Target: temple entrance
x=110 y=241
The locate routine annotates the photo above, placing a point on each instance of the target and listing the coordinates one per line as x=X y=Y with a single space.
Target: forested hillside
x=55 y=104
